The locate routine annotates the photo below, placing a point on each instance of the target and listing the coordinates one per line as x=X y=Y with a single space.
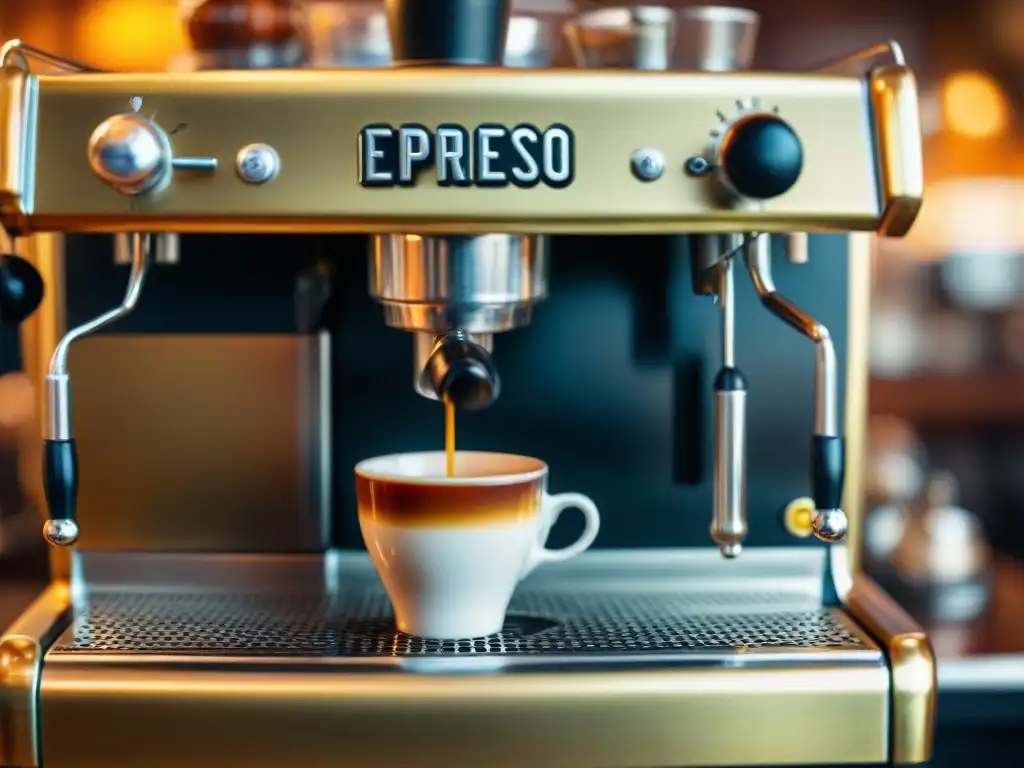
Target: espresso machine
x=581 y=259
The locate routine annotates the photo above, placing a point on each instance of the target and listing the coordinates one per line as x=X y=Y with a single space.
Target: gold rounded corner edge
x=22 y=648
x=912 y=663
x=898 y=140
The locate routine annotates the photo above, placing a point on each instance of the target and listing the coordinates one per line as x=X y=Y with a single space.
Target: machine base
x=614 y=659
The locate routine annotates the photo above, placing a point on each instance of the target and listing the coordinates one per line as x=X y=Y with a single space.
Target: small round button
x=258 y=163
x=648 y=164
x=798 y=517
x=131 y=154
x=761 y=157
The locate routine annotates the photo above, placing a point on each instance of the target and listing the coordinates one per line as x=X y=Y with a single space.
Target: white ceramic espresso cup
x=451 y=550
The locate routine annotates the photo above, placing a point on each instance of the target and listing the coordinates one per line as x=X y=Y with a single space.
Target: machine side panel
x=314 y=121
x=199 y=443
x=217 y=389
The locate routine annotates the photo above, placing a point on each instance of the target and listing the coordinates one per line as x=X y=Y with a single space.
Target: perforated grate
x=359 y=624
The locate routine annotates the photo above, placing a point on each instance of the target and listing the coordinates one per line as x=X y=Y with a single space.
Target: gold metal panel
x=913 y=664
x=898 y=134
x=21 y=657
x=17 y=100
x=313 y=119
x=201 y=442
x=860 y=251
x=262 y=715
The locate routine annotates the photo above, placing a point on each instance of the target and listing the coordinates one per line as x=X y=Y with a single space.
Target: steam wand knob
x=132 y=154
x=60 y=455
x=462 y=372
x=760 y=157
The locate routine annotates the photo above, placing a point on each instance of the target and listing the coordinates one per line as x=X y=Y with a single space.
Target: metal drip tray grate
x=359 y=624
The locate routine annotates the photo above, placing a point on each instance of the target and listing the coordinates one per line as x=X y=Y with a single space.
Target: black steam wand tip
x=60 y=482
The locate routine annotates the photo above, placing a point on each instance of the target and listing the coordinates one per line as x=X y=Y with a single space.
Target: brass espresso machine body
x=218 y=607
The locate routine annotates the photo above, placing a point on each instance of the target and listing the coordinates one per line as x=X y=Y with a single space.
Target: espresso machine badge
x=489 y=155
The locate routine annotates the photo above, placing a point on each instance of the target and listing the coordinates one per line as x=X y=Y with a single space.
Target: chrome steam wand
x=60 y=457
x=827 y=450
x=729 y=512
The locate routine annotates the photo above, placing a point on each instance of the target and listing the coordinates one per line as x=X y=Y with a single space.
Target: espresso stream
x=449 y=437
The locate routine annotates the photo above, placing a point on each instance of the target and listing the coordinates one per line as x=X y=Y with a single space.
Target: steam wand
x=729 y=511
x=827 y=450
x=60 y=458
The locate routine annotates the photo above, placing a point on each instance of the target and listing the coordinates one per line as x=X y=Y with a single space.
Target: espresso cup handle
x=554 y=506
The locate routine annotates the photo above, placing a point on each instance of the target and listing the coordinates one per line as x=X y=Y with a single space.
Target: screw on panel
x=648 y=164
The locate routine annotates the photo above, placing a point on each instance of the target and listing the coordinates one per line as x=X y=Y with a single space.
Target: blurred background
x=944 y=530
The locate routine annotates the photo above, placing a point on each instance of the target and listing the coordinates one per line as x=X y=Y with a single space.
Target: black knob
x=21 y=289
x=463 y=373
x=761 y=156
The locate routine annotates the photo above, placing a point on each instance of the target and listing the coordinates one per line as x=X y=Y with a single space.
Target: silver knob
x=829 y=525
x=61 y=533
x=131 y=153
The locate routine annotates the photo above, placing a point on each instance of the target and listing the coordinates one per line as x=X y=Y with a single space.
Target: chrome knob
x=131 y=153
x=829 y=525
x=61 y=533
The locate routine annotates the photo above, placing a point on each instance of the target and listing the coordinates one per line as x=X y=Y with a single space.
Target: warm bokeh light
x=974 y=105
x=129 y=34
x=967 y=215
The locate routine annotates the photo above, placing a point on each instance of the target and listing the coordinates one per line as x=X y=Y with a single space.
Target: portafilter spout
x=454 y=293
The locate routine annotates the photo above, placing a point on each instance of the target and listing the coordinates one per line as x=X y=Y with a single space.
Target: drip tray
x=358 y=624
x=609 y=661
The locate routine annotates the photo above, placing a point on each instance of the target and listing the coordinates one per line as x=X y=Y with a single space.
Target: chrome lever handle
x=863 y=61
x=14 y=53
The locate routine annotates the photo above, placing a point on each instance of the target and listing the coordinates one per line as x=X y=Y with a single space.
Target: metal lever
x=863 y=61
x=729 y=513
x=15 y=53
x=827 y=450
x=60 y=457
